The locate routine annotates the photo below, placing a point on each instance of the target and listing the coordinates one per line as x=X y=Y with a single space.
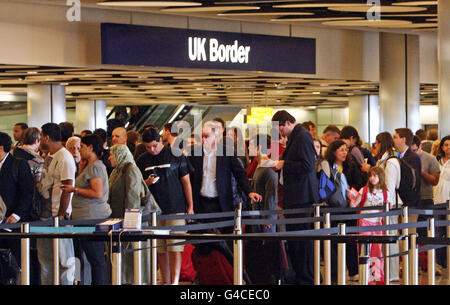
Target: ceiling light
x=267 y=13
x=208 y=9
x=414 y=25
x=383 y=8
x=148 y=3
x=416 y=3
x=371 y=23
x=316 y=19
x=312 y=5
x=32 y=72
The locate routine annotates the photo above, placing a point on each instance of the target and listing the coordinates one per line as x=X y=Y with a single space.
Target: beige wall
x=40 y=34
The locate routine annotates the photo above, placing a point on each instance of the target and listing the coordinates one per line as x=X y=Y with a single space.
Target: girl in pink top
x=373 y=194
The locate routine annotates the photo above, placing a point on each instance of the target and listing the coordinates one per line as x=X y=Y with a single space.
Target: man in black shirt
x=168 y=179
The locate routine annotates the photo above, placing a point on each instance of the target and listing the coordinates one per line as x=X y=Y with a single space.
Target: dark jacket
x=17 y=194
x=414 y=160
x=225 y=167
x=355 y=176
x=299 y=172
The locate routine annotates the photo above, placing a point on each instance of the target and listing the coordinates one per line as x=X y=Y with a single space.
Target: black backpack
x=406 y=189
x=37 y=201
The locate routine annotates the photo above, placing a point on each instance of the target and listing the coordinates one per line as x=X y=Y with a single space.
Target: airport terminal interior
x=374 y=65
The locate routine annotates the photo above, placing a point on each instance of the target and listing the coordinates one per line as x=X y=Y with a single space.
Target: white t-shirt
x=57 y=168
x=373 y=199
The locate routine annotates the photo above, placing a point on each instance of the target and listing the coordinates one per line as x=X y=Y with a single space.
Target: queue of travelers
x=99 y=174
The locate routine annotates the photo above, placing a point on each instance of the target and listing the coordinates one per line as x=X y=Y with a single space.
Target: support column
x=358 y=115
x=46 y=103
x=444 y=66
x=90 y=114
x=374 y=118
x=399 y=82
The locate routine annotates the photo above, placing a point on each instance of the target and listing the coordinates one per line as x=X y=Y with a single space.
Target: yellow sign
x=255 y=119
x=262 y=111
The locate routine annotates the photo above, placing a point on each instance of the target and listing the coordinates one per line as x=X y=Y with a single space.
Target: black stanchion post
x=431 y=255
x=414 y=258
x=317 y=248
x=327 y=252
x=25 y=255
x=56 y=254
x=341 y=257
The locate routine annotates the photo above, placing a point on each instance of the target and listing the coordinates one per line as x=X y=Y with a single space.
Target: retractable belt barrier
x=341 y=235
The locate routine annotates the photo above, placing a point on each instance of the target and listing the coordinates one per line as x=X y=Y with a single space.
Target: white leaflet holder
x=133 y=219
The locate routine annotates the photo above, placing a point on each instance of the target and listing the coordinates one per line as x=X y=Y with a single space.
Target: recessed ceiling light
x=258 y=13
x=316 y=19
x=32 y=72
x=416 y=3
x=414 y=25
x=383 y=9
x=209 y=9
x=371 y=23
x=312 y=5
x=147 y=3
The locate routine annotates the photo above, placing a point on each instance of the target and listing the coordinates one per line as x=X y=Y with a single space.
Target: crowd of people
x=50 y=171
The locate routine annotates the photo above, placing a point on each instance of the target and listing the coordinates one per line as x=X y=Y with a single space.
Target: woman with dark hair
x=442 y=190
x=384 y=150
x=90 y=202
x=338 y=158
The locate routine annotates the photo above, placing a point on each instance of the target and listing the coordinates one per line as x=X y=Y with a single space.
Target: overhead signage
x=124 y=44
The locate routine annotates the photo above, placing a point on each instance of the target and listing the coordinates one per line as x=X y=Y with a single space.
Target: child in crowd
x=373 y=194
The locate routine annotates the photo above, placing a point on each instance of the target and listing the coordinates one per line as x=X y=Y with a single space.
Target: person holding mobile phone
x=167 y=177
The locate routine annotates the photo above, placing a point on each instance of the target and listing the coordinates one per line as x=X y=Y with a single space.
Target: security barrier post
x=137 y=263
x=56 y=254
x=414 y=258
x=317 y=248
x=364 y=264
x=117 y=264
x=448 y=236
x=238 y=259
x=154 y=254
x=25 y=255
x=341 y=257
x=431 y=255
x=327 y=253
x=404 y=243
x=387 y=266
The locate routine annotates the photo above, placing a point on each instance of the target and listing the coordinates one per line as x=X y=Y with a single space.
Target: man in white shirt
x=213 y=170
x=59 y=169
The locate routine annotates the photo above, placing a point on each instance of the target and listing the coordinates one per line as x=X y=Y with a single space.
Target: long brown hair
x=376 y=170
x=386 y=144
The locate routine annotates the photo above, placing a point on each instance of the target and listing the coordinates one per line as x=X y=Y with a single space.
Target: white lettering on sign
x=217 y=52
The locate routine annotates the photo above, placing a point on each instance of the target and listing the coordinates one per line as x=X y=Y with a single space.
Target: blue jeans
x=66 y=261
x=95 y=253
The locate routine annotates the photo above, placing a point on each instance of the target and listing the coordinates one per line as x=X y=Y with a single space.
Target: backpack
x=330 y=189
x=407 y=183
x=37 y=201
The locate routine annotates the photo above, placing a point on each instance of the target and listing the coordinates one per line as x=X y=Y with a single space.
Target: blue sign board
x=124 y=44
